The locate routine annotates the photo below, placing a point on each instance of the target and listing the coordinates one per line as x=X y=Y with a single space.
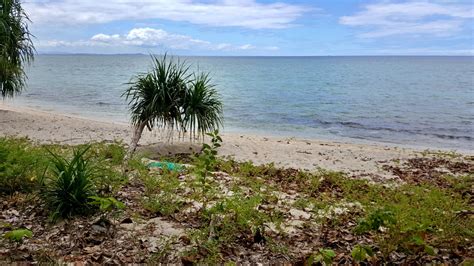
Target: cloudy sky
x=253 y=27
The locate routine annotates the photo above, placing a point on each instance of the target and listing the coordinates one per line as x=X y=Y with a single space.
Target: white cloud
x=246 y=47
x=410 y=18
x=217 y=13
x=272 y=48
x=150 y=38
x=424 y=51
x=105 y=38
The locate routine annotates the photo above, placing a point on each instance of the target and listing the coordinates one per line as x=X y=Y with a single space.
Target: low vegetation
x=219 y=210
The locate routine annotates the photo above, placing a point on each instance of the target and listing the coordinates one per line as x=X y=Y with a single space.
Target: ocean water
x=414 y=101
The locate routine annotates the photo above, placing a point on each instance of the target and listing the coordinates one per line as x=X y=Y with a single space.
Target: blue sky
x=253 y=27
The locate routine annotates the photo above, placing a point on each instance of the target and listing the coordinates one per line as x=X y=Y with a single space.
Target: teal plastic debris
x=170 y=166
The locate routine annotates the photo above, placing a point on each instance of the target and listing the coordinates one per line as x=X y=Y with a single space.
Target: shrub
x=68 y=186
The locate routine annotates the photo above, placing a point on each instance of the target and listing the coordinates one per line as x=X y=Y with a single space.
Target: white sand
x=357 y=159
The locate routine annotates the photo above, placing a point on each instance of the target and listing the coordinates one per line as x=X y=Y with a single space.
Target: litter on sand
x=176 y=167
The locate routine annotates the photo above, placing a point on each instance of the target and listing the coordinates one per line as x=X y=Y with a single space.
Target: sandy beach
x=356 y=159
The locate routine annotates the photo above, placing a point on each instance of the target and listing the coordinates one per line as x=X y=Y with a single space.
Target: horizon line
x=366 y=55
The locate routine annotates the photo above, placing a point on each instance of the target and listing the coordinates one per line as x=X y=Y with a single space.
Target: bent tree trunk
x=137 y=134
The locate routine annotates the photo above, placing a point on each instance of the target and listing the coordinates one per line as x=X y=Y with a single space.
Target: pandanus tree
x=173 y=97
x=16 y=47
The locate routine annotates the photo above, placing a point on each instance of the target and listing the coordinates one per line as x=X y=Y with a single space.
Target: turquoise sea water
x=417 y=101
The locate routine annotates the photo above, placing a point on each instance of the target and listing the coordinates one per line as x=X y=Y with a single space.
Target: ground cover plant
x=219 y=210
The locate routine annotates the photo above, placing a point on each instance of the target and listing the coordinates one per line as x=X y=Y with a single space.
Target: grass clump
x=230 y=221
x=106 y=159
x=69 y=184
x=162 y=193
x=21 y=165
x=376 y=220
x=110 y=153
x=235 y=216
x=415 y=219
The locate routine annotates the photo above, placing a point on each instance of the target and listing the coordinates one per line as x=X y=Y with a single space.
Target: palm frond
x=16 y=47
x=202 y=107
x=156 y=97
x=170 y=96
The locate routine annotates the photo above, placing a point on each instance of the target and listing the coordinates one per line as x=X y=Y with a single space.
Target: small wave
x=105 y=103
x=352 y=124
x=400 y=130
x=442 y=136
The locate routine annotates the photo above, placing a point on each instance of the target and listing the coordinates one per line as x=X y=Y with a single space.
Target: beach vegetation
x=202 y=107
x=162 y=193
x=205 y=162
x=229 y=211
x=110 y=207
x=172 y=97
x=361 y=253
x=18 y=235
x=16 y=47
x=106 y=204
x=325 y=256
x=68 y=186
x=21 y=165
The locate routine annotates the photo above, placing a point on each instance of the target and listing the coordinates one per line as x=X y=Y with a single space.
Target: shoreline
x=237 y=131
x=289 y=152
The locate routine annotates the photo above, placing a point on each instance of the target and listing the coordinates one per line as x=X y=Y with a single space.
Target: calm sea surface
x=417 y=101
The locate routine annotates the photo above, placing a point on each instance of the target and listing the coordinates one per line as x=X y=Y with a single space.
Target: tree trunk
x=137 y=134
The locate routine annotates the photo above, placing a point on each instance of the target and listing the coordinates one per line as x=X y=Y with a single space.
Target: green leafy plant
x=106 y=204
x=68 y=185
x=361 y=252
x=18 y=235
x=325 y=256
x=109 y=206
x=204 y=164
x=206 y=161
x=375 y=220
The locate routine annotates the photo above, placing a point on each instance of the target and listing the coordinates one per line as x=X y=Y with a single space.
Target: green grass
x=162 y=193
x=65 y=176
x=21 y=166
